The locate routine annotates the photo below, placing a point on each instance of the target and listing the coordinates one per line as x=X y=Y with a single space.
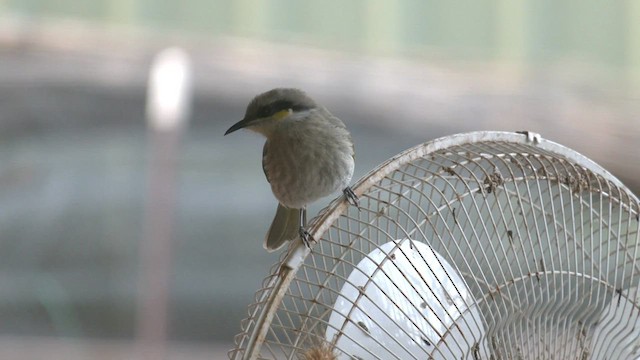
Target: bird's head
x=267 y=109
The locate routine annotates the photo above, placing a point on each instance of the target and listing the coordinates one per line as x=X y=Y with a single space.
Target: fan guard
x=539 y=242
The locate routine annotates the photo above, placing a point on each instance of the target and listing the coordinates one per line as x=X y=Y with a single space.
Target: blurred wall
x=603 y=33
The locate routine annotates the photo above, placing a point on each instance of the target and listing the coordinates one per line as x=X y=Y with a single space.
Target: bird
x=308 y=154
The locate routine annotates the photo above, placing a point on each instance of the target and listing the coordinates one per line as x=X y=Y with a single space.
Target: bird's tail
x=285 y=226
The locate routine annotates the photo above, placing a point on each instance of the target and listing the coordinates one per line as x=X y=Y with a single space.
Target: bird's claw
x=351 y=197
x=306 y=237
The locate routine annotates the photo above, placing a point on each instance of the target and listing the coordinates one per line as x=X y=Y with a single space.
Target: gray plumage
x=308 y=155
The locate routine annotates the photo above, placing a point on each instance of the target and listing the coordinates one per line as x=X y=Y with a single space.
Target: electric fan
x=486 y=245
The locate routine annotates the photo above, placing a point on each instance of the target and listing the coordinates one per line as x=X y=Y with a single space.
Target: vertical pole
x=511 y=31
x=251 y=17
x=382 y=22
x=633 y=47
x=168 y=108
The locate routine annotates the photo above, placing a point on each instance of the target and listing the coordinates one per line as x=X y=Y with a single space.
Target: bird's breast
x=307 y=160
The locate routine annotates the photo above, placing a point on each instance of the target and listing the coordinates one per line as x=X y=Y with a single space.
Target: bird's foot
x=351 y=197
x=306 y=237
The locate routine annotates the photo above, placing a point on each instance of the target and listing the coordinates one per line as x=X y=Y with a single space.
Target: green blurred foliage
x=528 y=31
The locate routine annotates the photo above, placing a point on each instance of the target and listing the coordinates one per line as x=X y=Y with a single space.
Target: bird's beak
x=237 y=126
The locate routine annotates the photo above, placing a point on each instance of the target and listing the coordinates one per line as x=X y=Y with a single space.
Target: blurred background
x=77 y=157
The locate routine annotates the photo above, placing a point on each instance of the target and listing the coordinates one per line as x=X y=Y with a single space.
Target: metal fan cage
x=546 y=243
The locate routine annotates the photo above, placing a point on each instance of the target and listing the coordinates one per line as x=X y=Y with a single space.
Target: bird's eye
x=264 y=111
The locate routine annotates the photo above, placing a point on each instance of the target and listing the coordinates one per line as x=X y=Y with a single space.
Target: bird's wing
x=264 y=161
x=335 y=121
x=353 y=147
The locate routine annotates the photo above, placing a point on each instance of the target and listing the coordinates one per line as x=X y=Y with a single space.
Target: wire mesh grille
x=475 y=249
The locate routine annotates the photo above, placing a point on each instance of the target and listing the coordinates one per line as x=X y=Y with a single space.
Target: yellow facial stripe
x=281 y=114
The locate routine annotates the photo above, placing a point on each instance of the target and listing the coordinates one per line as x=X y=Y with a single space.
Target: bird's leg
x=304 y=234
x=351 y=197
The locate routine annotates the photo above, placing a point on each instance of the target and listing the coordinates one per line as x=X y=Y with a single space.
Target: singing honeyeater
x=308 y=155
